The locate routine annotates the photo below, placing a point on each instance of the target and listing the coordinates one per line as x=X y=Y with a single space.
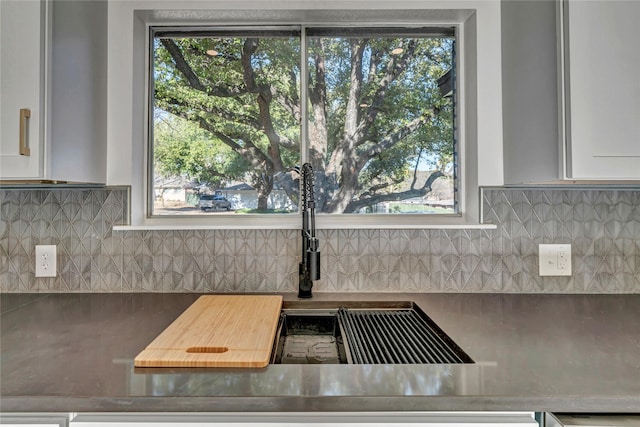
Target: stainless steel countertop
x=561 y=353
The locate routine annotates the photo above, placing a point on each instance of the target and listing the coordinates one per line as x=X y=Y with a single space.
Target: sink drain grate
x=396 y=336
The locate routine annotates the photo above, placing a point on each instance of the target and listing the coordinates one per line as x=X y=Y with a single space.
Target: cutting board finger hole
x=207 y=350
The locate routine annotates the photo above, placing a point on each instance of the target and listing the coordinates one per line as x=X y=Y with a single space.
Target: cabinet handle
x=25 y=114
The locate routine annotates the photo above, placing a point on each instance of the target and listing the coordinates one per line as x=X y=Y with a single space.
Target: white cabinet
x=601 y=89
x=53 y=63
x=23 y=85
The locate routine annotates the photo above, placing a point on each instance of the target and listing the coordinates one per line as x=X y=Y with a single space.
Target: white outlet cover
x=554 y=260
x=46 y=261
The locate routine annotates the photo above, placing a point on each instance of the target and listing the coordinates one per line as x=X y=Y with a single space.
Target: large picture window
x=231 y=125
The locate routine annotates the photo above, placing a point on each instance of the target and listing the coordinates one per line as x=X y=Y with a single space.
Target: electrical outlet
x=554 y=260
x=45 y=260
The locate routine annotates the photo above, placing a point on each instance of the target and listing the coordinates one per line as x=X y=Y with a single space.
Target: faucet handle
x=313 y=259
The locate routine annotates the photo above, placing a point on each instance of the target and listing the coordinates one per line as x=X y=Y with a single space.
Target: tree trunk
x=262 y=201
x=263 y=184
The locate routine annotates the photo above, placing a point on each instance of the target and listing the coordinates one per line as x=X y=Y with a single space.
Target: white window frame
x=471 y=71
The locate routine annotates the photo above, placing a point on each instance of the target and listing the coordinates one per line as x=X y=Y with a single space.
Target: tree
x=375 y=114
x=182 y=148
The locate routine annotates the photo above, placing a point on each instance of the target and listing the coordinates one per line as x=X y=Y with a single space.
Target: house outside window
x=376 y=119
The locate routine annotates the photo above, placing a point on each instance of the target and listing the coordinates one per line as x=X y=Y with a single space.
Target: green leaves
x=182 y=148
x=228 y=109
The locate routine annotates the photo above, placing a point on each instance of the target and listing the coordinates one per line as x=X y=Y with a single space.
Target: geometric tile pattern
x=603 y=226
x=78 y=221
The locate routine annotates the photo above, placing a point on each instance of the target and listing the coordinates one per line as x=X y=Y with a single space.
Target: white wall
x=78 y=109
x=530 y=92
x=126 y=92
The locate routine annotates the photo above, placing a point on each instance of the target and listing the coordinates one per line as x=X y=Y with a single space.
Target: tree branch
x=394 y=197
x=289 y=104
x=351 y=125
x=264 y=123
x=290 y=101
x=264 y=104
x=194 y=81
x=395 y=67
x=373 y=65
x=182 y=65
x=248 y=74
x=392 y=139
x=214 y=172
x=318 y=98
x=371 y=191
x=251 y=153
x=248 y=49
x=415 y=169
x=171 y=104
x=290 y=185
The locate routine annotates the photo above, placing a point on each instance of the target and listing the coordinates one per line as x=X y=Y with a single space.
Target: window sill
x=293 y=222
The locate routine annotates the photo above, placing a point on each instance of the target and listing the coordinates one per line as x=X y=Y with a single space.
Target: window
x=376 y=119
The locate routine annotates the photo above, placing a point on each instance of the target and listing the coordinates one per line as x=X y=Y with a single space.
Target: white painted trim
x=309 y=419
x=562 y=89
x=127 y=22
x=319 y=227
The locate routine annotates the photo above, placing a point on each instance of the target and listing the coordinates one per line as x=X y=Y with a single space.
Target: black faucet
x=310 y=262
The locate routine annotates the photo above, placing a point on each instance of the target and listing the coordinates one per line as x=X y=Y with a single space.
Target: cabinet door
x=22 y=87
x=602 y=88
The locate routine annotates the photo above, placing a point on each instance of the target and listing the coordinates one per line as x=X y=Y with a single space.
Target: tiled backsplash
x=602 y=225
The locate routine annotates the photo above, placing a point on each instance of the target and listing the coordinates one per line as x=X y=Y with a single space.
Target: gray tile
x=602 y=225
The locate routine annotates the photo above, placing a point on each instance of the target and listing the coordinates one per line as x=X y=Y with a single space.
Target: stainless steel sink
x=361 y=332
x=309 y=336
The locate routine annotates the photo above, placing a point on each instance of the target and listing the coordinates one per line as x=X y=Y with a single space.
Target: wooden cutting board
x=218 y=331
